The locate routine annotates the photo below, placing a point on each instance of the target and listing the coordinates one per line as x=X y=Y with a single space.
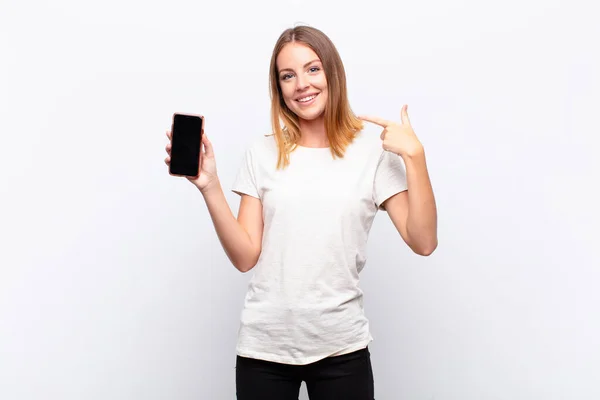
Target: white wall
x=100 y=299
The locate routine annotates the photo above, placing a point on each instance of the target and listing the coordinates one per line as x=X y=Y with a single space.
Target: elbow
x=246 y=264
x=243 y=258
x=425 y=249
x=243 y=268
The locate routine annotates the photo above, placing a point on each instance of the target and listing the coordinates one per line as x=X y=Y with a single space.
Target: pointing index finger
x=376 y=120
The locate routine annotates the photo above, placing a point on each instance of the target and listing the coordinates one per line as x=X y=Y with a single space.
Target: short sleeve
x=390 y=178
x=245 y=180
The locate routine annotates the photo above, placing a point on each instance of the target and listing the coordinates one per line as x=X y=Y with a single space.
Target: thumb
x=404 y=115
x=208 y=148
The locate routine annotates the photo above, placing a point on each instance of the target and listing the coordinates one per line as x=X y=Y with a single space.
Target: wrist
x=415 y=153
x=212 y=187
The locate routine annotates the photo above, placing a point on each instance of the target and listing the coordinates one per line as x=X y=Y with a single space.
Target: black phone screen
x=185 y=145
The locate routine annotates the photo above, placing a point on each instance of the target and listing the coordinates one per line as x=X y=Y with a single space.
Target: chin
x=308 y=116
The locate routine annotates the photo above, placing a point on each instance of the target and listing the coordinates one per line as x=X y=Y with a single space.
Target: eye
x=314 y=69
x=286 y=77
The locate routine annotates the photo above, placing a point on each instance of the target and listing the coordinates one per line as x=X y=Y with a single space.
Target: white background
x=113 y=284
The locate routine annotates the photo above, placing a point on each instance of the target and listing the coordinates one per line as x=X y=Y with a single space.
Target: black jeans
x=347 y=377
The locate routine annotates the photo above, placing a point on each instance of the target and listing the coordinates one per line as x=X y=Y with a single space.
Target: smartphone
x=186 y=138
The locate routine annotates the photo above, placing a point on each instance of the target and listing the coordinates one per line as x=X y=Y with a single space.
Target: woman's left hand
x=398 y=138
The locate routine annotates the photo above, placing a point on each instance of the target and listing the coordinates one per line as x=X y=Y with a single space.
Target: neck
x=313 y=133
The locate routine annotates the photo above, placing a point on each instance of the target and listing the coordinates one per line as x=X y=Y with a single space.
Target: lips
x=307 y=99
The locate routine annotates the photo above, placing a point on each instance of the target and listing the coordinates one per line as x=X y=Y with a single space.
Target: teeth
x=309 y=98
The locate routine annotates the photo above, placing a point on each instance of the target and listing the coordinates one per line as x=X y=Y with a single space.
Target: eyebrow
x=305 y=65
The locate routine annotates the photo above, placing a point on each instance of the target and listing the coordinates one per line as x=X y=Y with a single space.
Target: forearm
x=421 y=223
x=234 y=238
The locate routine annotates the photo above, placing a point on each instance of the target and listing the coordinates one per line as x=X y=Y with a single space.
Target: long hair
x=341 y=125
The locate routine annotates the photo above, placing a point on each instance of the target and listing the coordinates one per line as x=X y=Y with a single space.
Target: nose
x=301 y=83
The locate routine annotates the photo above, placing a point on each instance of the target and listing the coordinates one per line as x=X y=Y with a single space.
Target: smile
x=307 y=99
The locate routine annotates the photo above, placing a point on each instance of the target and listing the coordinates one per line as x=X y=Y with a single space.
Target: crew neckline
x=312 y=148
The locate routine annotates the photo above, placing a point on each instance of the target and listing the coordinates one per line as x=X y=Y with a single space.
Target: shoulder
x=367 y=143
x=368 y=147
x=263 y=143
x=261 y=150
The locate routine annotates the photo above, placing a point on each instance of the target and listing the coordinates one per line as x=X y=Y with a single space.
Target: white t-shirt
x=303 y=301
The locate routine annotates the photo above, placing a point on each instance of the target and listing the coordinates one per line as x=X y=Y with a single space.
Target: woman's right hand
x=208 y=166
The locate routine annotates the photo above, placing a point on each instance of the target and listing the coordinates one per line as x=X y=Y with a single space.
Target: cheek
x=324 y=92
x=287 y=93
x=322 y=82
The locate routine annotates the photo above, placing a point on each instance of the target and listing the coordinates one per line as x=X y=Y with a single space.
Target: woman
x=309 y=194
